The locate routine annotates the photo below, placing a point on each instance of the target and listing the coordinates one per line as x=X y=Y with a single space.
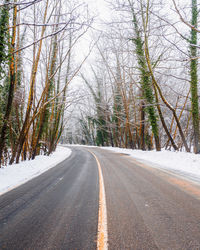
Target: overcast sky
x=100 y=10
x=99 y=7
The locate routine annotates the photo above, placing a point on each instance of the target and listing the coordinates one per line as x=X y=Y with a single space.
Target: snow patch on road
x=181 y=163
x=14 y=175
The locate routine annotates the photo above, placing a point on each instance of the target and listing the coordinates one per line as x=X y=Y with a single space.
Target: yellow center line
x=102 y=237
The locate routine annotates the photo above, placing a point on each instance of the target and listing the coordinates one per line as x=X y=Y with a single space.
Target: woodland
x=136 y=87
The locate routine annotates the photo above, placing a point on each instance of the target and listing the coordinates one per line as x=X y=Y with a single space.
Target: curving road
x=57 y=210
x=146 y=208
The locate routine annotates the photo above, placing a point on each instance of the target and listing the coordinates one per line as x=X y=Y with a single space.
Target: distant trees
x=100 y=118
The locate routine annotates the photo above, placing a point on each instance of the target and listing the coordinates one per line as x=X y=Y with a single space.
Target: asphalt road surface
x=57 y=210
x=146 y=208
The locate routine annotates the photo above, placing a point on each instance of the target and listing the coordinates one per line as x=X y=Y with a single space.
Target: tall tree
x=11 y=82
x=4 y=22
x=194 y=77
x=145 y=80
x=154 y=81
x=23 y=132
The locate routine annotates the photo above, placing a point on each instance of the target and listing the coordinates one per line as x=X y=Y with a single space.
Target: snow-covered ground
x=14 y=175
x=184 y=164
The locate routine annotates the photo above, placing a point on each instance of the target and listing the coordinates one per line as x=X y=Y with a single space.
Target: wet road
x=146 y=208
x=57 y=210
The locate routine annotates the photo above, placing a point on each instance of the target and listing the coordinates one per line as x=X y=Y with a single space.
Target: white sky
x=98 y=9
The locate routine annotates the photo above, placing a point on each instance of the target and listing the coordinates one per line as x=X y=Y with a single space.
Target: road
x=146 y=208
x=57 y=210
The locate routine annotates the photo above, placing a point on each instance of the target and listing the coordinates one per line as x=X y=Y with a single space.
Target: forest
x=135 y=87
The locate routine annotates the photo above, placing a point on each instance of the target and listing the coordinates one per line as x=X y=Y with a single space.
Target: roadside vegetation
x=37 y=40
x=144 y=83
x=140 y=91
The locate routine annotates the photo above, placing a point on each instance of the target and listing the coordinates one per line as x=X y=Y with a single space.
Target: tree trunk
x=194 y=78
x=145 y=82
x=21 y=138
x=142 y=127
x=11 y=86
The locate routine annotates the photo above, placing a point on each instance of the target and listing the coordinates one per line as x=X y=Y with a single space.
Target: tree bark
x=11 y=85
x=194 y=78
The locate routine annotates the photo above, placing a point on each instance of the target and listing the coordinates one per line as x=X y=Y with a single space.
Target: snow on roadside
x=178 y=162
x=14 y=175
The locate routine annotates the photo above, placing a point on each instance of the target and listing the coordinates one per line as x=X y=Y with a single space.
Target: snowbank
x=17 y=174
x=182 y=163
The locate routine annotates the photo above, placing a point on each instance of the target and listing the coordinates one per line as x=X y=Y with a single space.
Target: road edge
x=26 y=179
